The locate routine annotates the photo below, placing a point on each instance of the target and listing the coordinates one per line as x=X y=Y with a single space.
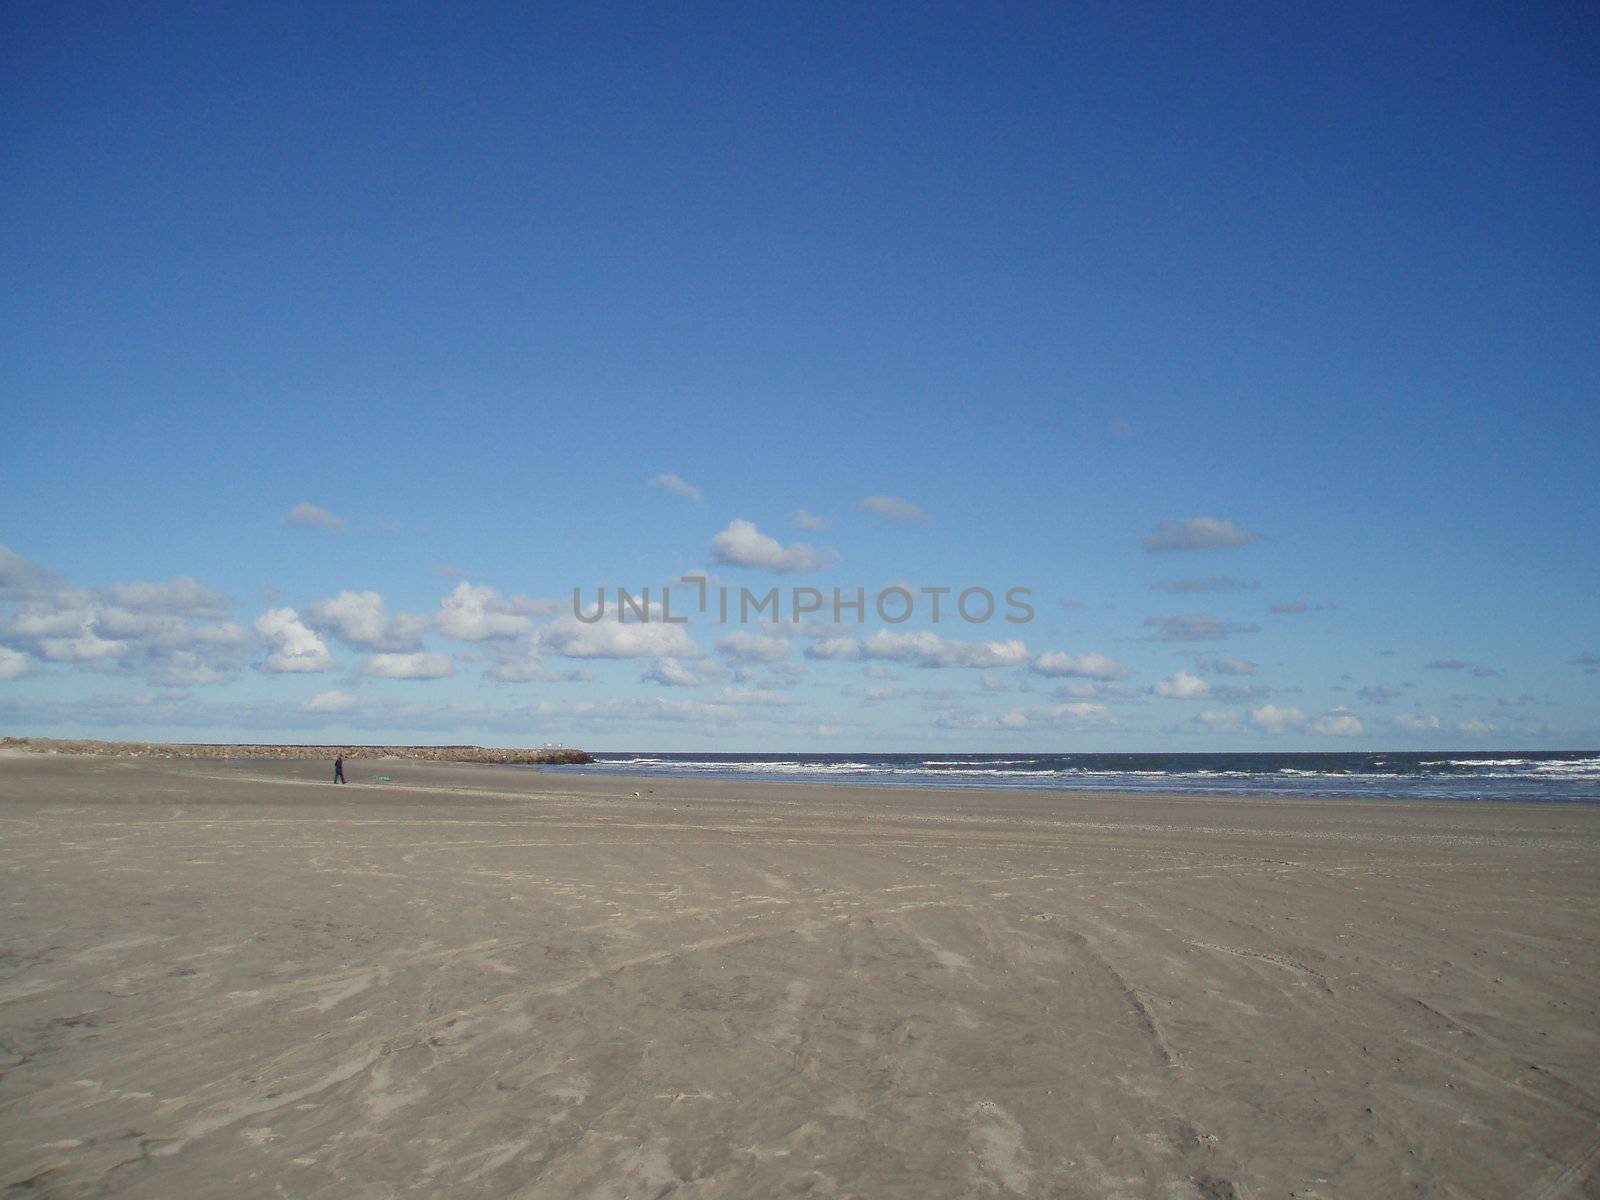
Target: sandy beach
x=232 y=979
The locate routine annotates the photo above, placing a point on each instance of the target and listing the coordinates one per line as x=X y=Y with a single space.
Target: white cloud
x=22 y=577
x=567 y=637
x=421 y=664
x=675 y=484
x=892 y=508
x=522 y=664
x=306 y=515
x=1414 y=722
x=673 y=672
x=1197 y=533
x=842 y=649
x=928 y=649
x=719 y=712
x=805 y=520
x=185 y=668
x=1273 y=719
x=294 y=649
x=921 y=649
x=1340 y=722
x=753 y=647
x=172 y=632
x=181 y=597
x=741 y=544
x=86 y=646
x=360 y=619
x=1078 y=715
x=1092 y=665
x=1476 y=727
x=480 y=614
x=1182 y=686
x=14 y=663
x=1088 y=689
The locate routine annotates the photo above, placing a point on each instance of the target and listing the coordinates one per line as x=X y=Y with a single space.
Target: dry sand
x=232 y=980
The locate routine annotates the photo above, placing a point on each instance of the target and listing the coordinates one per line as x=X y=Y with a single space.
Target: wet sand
x=232 y=979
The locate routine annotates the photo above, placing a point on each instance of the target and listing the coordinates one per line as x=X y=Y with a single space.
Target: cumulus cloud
x=1193 y=628
x=21 y=577
x=921 y=649
x=732 y=708
x=568 y=637
x=1340 y=722
x=1182 y=686
x=480 y=614
x=673 y=672
x=839 y=649
x=1223 y=665
x=805 y=520
x=421 y=664
x=520 y=663
x=1213 y=583
x=1414 y=722
x=1197 y=533
x=173 y=632
x=1087 y=689
x=360 y=619
x=84 y=647
x=14 y=663
x=187 y=668
x=753 y=647
x=306 y=515
x=892 y=508
x=1093 y=665
x=741 y=544
x=1080 y=715
x=1274 y=719
x=178 y=597
x=675 y=484
x=293 y=647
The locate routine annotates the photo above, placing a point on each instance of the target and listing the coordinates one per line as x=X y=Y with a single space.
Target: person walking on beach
x=338 y=769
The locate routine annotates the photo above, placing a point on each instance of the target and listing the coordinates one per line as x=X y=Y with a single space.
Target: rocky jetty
x=551 y=756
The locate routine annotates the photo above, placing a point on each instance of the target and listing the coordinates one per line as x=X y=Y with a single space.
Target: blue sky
x=466 y=281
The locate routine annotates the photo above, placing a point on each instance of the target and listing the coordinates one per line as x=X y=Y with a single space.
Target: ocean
x=1556 y=776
